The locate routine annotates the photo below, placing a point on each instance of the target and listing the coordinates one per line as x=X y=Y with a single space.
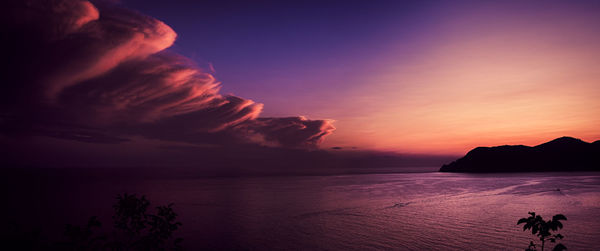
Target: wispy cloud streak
x=105 y=68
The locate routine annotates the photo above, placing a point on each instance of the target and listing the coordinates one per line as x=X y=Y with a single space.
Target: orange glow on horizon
x=493 y=85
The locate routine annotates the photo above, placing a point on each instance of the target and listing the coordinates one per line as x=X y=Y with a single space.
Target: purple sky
x=389 y=72
x=294 y=55
x=422 y=77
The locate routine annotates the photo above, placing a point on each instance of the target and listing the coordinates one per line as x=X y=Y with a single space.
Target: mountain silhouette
x=559 y=155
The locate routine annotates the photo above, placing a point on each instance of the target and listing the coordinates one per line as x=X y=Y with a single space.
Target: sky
x=139 y=82
x=406 y=76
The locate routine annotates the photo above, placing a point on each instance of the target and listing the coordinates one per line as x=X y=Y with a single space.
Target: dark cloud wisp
x=104 y=72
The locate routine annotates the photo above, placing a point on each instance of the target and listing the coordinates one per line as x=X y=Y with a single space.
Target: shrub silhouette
x=135 y=229
x=542 y=229
x=83 y=238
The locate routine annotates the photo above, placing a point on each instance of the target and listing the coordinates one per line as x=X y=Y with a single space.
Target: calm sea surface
x=413 y=211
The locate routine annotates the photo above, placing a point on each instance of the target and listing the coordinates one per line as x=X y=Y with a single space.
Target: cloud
x=289 y=132
x=100 y=74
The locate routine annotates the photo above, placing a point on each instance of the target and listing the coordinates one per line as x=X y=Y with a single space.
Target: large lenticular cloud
x=100 y=75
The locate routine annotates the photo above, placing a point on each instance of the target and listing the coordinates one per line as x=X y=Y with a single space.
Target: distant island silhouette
x=560 y=155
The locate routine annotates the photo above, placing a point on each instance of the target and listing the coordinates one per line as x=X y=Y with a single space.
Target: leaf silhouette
x=542 y=229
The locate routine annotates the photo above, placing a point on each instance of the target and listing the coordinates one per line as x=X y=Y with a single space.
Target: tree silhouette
x=542 y=229
x=83 y=238
x=135 y=229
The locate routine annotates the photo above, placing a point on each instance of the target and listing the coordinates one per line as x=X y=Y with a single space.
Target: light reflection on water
x=383 y=211
x=412 y=211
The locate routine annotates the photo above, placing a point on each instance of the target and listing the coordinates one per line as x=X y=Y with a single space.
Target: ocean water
x=410 y=211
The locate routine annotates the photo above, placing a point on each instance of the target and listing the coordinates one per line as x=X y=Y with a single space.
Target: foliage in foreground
x=542 y=229
x=135 y=229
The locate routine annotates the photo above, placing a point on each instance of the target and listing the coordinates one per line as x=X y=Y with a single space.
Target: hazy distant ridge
x=559 y=155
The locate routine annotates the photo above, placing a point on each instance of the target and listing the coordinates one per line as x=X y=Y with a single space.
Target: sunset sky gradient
x=239 y=87
x=416 y=77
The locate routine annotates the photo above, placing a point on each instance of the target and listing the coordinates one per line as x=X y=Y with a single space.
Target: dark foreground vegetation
x=134 y=228
x=544 y=230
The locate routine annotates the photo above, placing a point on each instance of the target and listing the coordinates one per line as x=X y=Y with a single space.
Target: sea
x=393 y=211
